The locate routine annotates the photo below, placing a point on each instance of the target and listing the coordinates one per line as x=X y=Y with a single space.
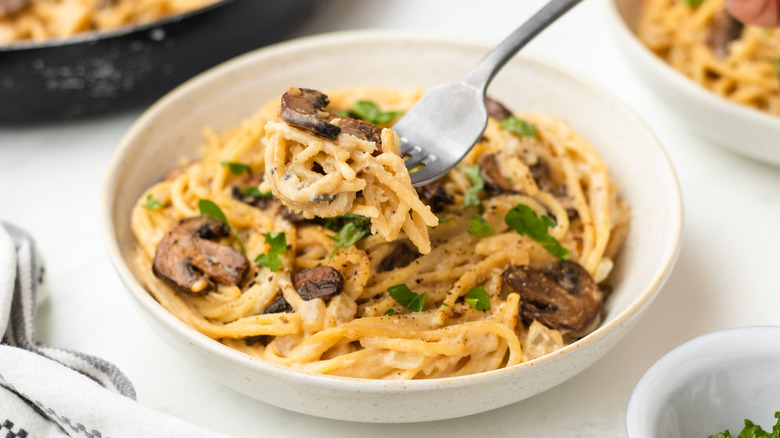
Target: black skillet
x=94 y=73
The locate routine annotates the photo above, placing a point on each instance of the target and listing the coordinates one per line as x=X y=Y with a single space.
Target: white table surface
x=726 y=276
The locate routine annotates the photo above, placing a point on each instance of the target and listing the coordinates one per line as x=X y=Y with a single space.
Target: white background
x=726 y=275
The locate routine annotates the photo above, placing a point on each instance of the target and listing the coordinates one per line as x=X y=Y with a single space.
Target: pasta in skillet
x=700 y=39
x=45 y=19
x=526 y=228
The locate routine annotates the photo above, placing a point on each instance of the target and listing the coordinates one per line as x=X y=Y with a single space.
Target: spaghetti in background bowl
x=224 y=96
x=740 y=128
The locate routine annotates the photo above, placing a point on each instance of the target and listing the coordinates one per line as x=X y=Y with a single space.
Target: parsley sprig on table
x=525 y=221
x=212 y=210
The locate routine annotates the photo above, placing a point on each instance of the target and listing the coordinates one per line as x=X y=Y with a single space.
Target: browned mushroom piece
x=190 y=261
x=320 y=282
x=400 y=256
x=724 y=30
x=8 y=7
x=496 y=110
x=278 y=305
x=563 y=297
x=495 y=183
x=305 y=109
x=434 y=196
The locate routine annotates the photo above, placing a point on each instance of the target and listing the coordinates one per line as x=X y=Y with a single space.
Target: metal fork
x=449 y=119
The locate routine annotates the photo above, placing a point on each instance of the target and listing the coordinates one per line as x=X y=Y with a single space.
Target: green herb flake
x=370 y=112
x=405 y=297
x=236 y=168
x=278 y=245
x=389 y=312
x=255 y=192
x=776 y=62
x=525 y=221
x=151 y=203
x=471 y=197
x=753 y=431
x=212 y=210
x=693 y=3
x=444 y=220
x=479 y=227
x=519 y=127
x=355 y=228
x=478 y=298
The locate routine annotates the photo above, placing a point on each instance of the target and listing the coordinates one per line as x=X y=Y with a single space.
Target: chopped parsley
x=479 y=227
x=368 y=111
x=255 y=192
x=405 y=297
x=519 y=127
x=354 y=227
x=693 y=3
x=151 y=203
x=389 y=312
x=236 y=168
x=212 y=210
x=525 y=221
x=753 y=431
x=278 y=245
x=478 y=298
x=471 y=197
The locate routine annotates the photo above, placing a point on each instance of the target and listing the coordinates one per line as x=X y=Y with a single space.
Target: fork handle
x=484 y=72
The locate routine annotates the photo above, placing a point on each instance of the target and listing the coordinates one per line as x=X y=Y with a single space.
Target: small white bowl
x=708 y=385
x=742 y=129
x=224 y=96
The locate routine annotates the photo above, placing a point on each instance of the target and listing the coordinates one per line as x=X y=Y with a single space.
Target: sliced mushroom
x=305 y=109
x=496 y=110
x=320 y=282
x=190 y=261
x=399 y=257
x=278 y=305
x=563 y=297
x=434 y=196
x=495 y=183
x=723 y=31
x=8 y=7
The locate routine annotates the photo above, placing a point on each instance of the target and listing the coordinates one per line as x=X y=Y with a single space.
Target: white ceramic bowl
x=222 y=97
x=708 y=385
x=742 y=129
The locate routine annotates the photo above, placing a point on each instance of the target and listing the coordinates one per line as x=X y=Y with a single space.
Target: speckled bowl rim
x=347 y=383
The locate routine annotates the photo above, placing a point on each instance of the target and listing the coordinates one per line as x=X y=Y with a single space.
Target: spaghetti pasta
x=739 y=63
x=386 y=308
x=46 y=19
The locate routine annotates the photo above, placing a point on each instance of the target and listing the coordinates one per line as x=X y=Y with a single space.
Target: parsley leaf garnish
x=753 y=431
x=471 y=197
x=236 y=168
x=478 y=298
x=405 y=297
x=151 y=203
x=525 y=221
x=212 y=210
x=278 y=243
x=693 y=3
x=368 y=111
x=519 y=126
x=479 y=227
x=389 y=312
x=355 y=228
x=255 y=192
